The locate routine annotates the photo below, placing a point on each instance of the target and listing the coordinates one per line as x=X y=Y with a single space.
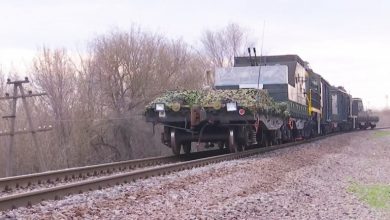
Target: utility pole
x=387 y=101
x=18 y=85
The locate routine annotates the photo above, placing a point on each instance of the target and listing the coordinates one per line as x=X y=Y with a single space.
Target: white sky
x=347 y=42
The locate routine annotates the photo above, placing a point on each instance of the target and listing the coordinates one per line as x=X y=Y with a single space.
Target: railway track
x=17 y=183
x=125 y=174
x=68 y=175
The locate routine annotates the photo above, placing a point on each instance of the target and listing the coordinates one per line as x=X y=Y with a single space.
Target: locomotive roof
x=289 y=60
x=281 y=59
x=339 y=89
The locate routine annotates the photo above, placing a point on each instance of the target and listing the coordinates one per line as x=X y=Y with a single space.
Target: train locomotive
x=302 y=105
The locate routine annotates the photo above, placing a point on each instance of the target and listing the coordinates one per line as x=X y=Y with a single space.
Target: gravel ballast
x=306 y=182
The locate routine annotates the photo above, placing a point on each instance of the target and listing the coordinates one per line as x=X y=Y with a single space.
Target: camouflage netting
x=251 y=99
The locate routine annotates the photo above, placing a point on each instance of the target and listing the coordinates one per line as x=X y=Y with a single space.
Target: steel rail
x=67 y=175
x=22 y=181
x=58 y=192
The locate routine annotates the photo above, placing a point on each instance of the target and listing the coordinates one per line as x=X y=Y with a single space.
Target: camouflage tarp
x=250 y=99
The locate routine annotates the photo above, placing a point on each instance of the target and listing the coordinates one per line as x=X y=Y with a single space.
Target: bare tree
x=132 y=68
x=221 y=46
x=54 y=73
x=2 y=124
x=96 y=102
x=2 y=89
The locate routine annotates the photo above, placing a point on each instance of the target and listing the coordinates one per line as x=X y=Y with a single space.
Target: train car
x=341 y=105
x=301 y=91
x=360 y=118
x=314 y=101
x=314 y=107
x=225 y=123
x=326 y=107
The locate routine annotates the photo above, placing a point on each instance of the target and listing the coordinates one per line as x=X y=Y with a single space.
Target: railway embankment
x=340 y=177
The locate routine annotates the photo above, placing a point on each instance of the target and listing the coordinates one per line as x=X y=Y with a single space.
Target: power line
x=82 y=120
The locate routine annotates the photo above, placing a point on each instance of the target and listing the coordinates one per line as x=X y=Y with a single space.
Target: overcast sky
x=347 y=42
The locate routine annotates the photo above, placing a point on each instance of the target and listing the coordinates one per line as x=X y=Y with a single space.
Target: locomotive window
x=360 y=106
x=314 y=84
x=247 y=77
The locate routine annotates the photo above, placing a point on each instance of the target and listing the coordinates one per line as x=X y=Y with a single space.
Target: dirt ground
x=311 y=181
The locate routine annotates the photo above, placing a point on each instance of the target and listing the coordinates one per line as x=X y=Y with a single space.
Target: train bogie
x=234 y=137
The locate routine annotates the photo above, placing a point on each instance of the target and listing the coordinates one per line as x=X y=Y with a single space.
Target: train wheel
x=187 y=147
x=232 y=142
x=242 y=138
x=221 y=145
x=264 y=141
x=176 y=147
x=241 y=147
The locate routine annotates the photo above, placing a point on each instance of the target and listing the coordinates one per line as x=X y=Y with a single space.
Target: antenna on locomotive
x=261 y=56
x=250 y=56
x=254 y=51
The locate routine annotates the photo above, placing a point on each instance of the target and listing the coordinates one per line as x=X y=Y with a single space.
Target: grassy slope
x=377 y=196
